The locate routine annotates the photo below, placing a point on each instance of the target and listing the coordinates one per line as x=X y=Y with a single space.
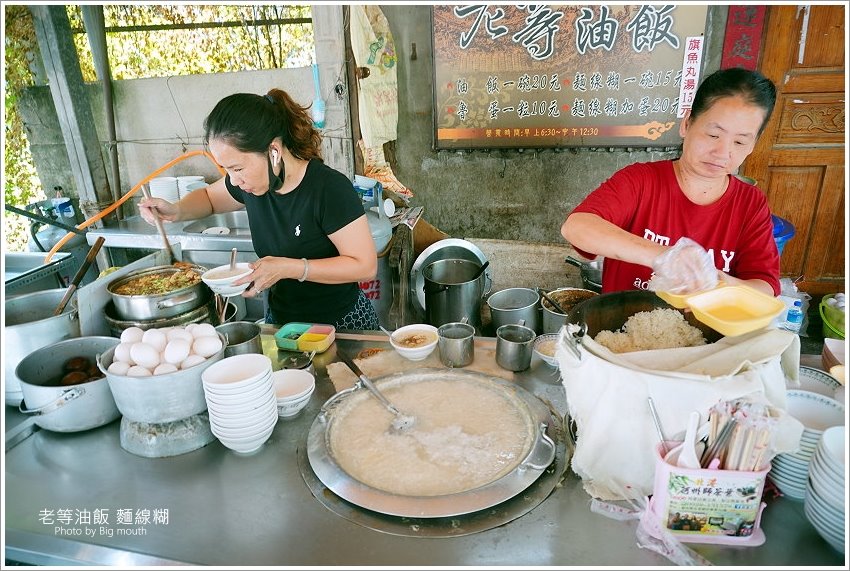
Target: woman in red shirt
x=636 y=217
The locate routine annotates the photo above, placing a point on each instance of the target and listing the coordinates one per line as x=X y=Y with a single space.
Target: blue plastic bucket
x=783 y=231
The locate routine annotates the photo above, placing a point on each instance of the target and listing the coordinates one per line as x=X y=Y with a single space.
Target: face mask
x=275 y=181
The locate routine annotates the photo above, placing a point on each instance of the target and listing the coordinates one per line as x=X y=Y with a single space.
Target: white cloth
x=607 y=397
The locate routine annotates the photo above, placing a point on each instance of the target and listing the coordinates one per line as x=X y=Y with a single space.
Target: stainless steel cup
x=456 y=343
x=242 y=337
x=514 y=346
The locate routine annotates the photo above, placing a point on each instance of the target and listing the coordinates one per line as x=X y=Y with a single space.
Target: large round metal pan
x=527 y=469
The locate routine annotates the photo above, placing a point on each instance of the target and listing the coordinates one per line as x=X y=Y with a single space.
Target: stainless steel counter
x=227 y=509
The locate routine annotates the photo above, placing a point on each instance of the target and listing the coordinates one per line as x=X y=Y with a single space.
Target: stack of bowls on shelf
x=824 y=504
x=241 y=401
x=165 y=187
x=293 y=389
x=817 y=413
x=186 y=184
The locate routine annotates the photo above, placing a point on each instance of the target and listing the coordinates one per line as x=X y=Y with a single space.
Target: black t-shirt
x=296 y=225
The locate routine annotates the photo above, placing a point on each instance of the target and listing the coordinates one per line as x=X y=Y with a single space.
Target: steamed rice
x=661 y=328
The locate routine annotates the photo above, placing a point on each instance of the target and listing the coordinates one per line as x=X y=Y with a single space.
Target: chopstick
x=160 y=227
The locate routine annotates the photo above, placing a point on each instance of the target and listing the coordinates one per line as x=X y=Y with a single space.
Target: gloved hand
x=684 y=268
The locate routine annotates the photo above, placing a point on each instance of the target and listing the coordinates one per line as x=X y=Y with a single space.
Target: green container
x=833 y=319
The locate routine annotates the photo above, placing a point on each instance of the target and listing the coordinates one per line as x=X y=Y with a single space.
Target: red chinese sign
x=743 y=37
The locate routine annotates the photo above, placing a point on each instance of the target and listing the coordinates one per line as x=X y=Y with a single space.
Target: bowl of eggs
x=155 y=375
x=221 y=279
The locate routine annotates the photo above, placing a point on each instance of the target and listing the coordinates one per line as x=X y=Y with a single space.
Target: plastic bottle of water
x=794 y=319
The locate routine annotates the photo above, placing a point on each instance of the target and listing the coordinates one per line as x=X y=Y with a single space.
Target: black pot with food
x=609 y=311
x=159 y=292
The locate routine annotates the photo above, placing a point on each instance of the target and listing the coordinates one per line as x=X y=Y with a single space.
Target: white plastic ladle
x=688 y=454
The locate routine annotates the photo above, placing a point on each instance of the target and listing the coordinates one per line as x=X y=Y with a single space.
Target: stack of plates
x=824 y=504
x=241 y=401
x=165 y=187
x=816 y=381
x=186 y=184
x=817 y=413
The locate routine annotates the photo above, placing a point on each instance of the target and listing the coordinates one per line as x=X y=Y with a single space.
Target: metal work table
x=227 y=509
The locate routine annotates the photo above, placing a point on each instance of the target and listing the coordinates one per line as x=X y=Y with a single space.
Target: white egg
x=122 y=353
x=190 y=327
x=176 y=351
x=191 y=361
x=177 y=333
x=132 y=335
x=137 y=371
x=155 y=338
x=204 y=330
x=119 y=368
x=206 y=346
x=164 y=368
x=145 y=355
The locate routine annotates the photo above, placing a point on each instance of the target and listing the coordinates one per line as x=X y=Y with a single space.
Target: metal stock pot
x=158 y=306
x=66 y=408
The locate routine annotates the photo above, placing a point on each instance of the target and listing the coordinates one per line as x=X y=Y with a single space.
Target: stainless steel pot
x=514 y=304
x=158 y=306
x=160 y=398
x=541 y=450
x=66 y=408
x=117 y=325
x=452 y=292
x=30 y=325
x=566 y=298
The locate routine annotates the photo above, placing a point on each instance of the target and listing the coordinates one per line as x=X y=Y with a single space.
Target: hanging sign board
x=534 y=76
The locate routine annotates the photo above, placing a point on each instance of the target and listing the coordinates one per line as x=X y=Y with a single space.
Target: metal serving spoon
x=401 y=422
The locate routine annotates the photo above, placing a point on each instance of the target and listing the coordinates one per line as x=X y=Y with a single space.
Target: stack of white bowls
x=165 y=187
x=186 y=184
x=241 y=401
x=293 y=389
x=824 y=504
x=817 y=412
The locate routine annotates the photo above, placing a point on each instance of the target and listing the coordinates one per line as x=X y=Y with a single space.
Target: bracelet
x=306 y=269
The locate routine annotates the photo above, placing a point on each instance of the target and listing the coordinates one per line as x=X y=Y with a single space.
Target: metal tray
x=28 y=268
x=540 y=455
x=450 y=248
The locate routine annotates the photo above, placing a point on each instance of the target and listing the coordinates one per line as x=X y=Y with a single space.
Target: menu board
x=534 y=76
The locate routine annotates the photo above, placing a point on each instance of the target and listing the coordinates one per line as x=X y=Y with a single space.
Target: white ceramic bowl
x=289 y=408
x=404 y=336
x=247 y=445
x=817 y=412
x=292 y=384
x=549 y=339
x=221 y=278
x=236 y=373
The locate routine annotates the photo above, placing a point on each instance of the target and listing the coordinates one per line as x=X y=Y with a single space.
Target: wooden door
x=799 y=159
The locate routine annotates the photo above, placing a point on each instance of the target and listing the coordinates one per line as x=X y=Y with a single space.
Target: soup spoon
x=401 y=422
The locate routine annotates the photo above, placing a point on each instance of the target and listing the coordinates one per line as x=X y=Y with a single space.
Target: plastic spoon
x=688 y=455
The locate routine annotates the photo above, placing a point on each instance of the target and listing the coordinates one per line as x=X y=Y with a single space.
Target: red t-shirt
x=646 y=200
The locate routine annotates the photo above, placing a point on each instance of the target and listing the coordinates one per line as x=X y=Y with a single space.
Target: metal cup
x=456 y=343
x=242 y=337
x=514 y=346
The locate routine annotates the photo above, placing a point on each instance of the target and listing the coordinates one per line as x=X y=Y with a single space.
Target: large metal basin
x=227 y=223
x=539 y=452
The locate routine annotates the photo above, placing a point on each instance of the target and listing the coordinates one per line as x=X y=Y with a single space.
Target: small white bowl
x=236 y=373
x=290 y=408
x=220 y=279
x=403 y=336
x=549 y=338
x=292 y=384
x=817 y=412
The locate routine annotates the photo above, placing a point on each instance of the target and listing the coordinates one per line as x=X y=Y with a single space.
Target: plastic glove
x=684 y=268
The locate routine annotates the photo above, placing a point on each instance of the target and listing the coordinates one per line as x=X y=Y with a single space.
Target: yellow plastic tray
x=734 y=310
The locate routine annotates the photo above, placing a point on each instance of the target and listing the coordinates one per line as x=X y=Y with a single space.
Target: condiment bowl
x=414 y=342
x=545 y=346
x=220 y=279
